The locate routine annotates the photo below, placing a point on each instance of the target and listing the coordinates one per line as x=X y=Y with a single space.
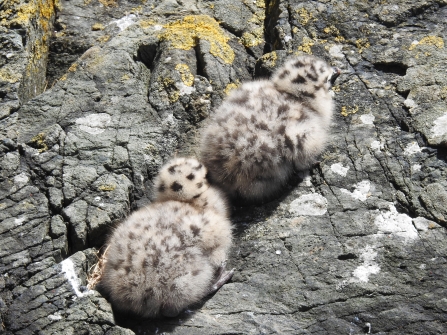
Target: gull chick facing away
x=172 y=253
x=267 y=128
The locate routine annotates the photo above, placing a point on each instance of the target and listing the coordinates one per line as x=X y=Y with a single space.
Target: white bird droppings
x=369 y=266
x=125 y=21
x=335 y=51
x=278 y=252
x=409 y=103
x=183 y=89
x=361 y=191
x=367 y=118
x=376 y=145
x=339 y=169
x=54 y=317
x=394 y=223
x=440 y=126
x=19 y=221
x=309 y=204
x=416 y=168
x=70 y=274
x=412 y=148
x=94 y=123
x=21 y=178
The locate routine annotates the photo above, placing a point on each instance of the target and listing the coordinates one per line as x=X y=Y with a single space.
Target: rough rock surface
x=356 y=245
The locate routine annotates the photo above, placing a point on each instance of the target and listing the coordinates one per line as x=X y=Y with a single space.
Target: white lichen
x=394 y=223
x=339 y=169
x=367 y=118
x=309 y=204
x=361 y=190
x=94 y=123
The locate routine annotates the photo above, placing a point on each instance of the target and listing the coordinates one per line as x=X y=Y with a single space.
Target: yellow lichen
x=443 y=92
x=137 y=10
x=336 y=88
x=304 y=16
x=332 y=30
x=185 y=74
x=73 y=67
x=252 y=38
x=306 y=45
x=109 y=3
x=232 y=86
x=270 y=59
x=107 y=187
x=64 y=77
x=438 y=42
x=9 y=75
x=184 y=34
x=103 y=39
x=98 y=26
x=39 y=141
x=260 y=3
x=345 y=111
x=174 y=96
x=125 y=77
x=147 y=23
x=168 y=84
x=362 y=44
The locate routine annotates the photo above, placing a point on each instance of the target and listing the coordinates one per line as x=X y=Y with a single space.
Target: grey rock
x=358 y=240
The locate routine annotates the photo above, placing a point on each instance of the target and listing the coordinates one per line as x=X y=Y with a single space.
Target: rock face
x=357 y=245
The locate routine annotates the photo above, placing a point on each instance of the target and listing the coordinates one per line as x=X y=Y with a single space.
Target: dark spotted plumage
x=250 y=149
x=164 y=257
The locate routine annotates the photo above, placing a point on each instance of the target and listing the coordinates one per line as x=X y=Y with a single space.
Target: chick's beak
x=335 y=74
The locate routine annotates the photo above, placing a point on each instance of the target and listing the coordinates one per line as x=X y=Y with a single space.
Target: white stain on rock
x=21 y=179
x=19 y=221
x=394 y=223
x=125 y=21
x=416 y=168
x=369 y=266
x=412 y=149
x=377 y=146
x=410 y=103
x=309 y=204
x=367 y=118
x=69 y=271
x=55 y=317
x=422 y=224
x=184 y=89
x=335 y=51
x=94 y=123
x=440 y=126
x=339 y=169
x=361 y=190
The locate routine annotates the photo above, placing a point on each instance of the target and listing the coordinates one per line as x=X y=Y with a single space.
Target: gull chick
x=172 y=253
x=265 y=129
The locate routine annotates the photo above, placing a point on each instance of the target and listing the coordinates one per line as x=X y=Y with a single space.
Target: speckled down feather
x=170 y=254
x=266 y=128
